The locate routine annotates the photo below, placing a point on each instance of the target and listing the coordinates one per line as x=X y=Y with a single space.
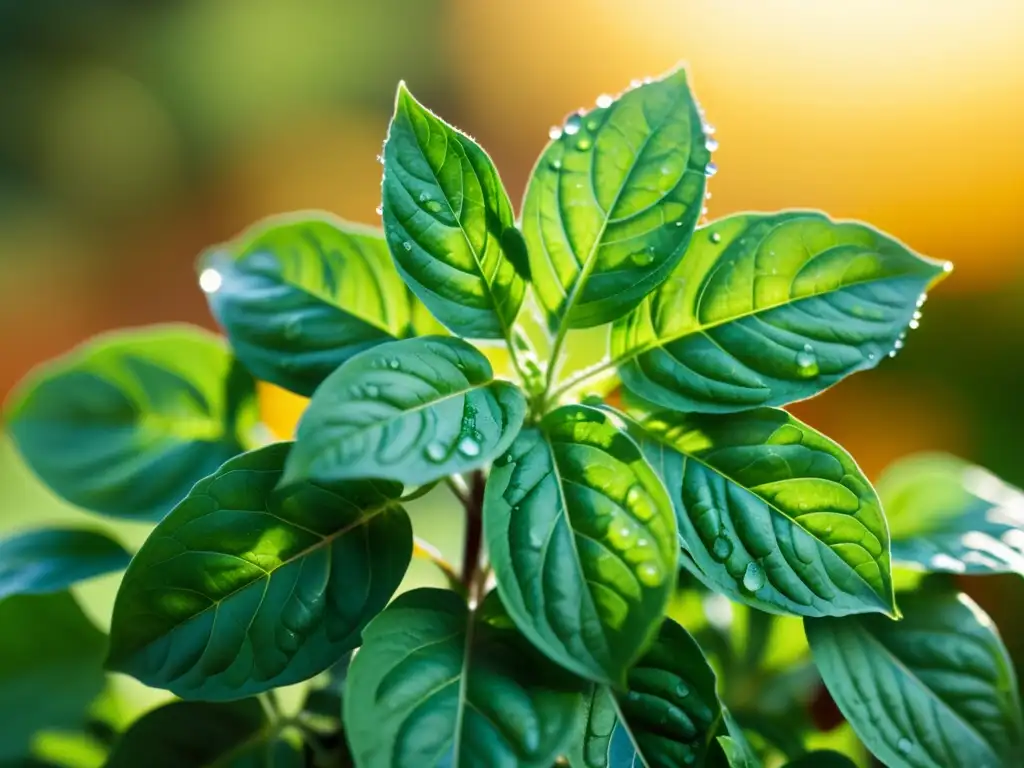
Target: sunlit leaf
x=772 y=513
x=414 y=411
x=766 y=309
x=583 y=542
x=299 y=295
x=242 y=587
x=52 y=559
x=951 y=516
x=450 y=224
x=435 y=686
x=128 y=422
x=613 y=201
x=936 y=689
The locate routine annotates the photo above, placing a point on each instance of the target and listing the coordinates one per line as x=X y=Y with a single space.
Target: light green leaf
x=773 y=513
x=450 y=224
x=51 y=659
x=822 y=758
x=934 y=690
x=599 y=721
x=203 y=735
x=948 y=515
x=435 y=686
x=52 y=559
x=298 y=295
x=242 y=587
x=613 y=201
x=583 y=542
x=766 y=309
x=414 y=411
x=127 y=423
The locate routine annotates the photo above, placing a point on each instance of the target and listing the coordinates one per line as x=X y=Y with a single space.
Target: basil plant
x=645 y=530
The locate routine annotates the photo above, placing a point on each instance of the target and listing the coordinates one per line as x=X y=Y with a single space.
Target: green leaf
x=414 y=411
x=450 y=224
x=822 y=758
x=735 y=754
x=52 y=559
x=583 y=542
x=202 y=735
x=613 y=201
x=948 y=515
x=51 y=660
x=599 y=722
x=433 y=685
x=242 y=587
x=772 y=512
x=128 y=422
x=936 y=689
x=766 y=309
x=299 y=295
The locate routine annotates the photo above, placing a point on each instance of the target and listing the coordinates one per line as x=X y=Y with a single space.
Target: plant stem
x=458 y=487
x=474 y=504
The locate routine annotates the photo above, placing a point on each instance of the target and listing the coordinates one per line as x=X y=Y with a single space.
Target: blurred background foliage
x=134 y=133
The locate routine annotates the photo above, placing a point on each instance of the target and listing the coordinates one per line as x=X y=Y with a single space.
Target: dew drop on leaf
x=709 y=128
x=394 y=364
x=721 y=548
x=715 y=237
x=584 y=144
x=710 y=170
x=640 y=503
x=807 y=363
x=554 y=132
x=407 y=245
x=682 y=691
x=604 y=101
x=593 y=125
x=643 y=258
x=380 y=210
x=904 y=746
x=371 y=390
x=753 y=577
x=650 y=574
x=433 y=206
x=210 y=280
x=572 y=125
x=424 y=197
x=711 y=144
x=555 y=164
x=436 y=451
x=914 y=325
x=469 y=446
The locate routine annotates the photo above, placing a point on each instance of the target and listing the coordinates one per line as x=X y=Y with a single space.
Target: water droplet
x=380 y=210
x=635 y=83
x=711 y=144
x=394 y=363
x=892 y=353
x=806 y=363
x=898 y=344
x=642 y=542
x=380 y=159
x=593 y=125
x=407 y=245
x=689 y=756
x=424 y=197
x=921 y=300
x=914 y=325
x=604 y=101
x=707 y=195
x=433 y=206
x=721 y=548
x=293 y=329
x=917 y=316
x=640 y=503
x=710 y=170
x=715 y=237
x=555 y=164
x=469 y=446
x=622 y=535
x=709 y=128
x=904 y=746
x=947 y=267
x=666 y=170
x=704 y=210
x=436 y=451
x=584 y=144
x=572 y=125
x=871 y=355
x=650 y=575
x=753 y=577
x=372 y=390
x=679 y=223
x=210 y=280
x=643 y=258
x=682 y=691
x=554 y=132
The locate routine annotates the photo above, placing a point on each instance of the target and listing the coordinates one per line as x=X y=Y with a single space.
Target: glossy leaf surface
x=127 y=423
x=948 y=515
x=243 y=587
x=583 y=542
x=450 y=224
x=773 y=513
x=414 y=411
x=934 y=690
x=613 y=201
x=300 y=295
x=51 y=659
x=52 y=559
x=766 y=309
x=432 y=686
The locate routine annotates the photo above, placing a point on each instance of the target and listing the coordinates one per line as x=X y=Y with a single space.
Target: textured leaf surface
x=51 y=659
x=300 y=295
x=583 y=542
x=414 y=411
x=127 y=423
x=613 y=201
x=450 y=225
x=203 y=735
x=934 y=690
x=52 y=559
x=948 y=515
x=431 y=686
x=243 y=587
x=766 y=309
x=773 y=513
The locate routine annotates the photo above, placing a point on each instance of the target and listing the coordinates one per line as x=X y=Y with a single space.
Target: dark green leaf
x=766 y=309
x=202 y=735
x=613 y=202
x=51 y=668
x=736 y=754
x=434 y=686
x=822 y=758
x=599 y=721
x=934 y=690
x=583 y=542
x=773 y=513
x=450 y=225
x=128 y=422
x=242 y=587
x=948 y=515
x=299 y=295
x=414 y=411
x=52 y=559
